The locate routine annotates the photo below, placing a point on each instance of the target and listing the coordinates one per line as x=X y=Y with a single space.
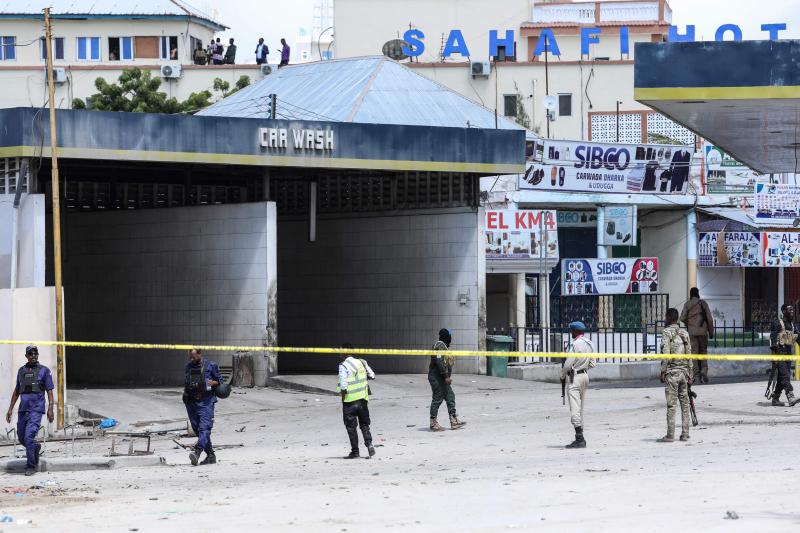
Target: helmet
x=31 y=349
x=223 y=390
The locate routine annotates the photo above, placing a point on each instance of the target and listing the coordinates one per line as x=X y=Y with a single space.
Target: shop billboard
x=580 y=166
x=619 y=225
x=723 y=173
x=729 y=248
x=776 y=202
x=781 y=248
x=520 y=234
x=631 y=275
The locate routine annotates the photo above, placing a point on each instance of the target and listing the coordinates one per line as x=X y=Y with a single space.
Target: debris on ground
x=731 y=515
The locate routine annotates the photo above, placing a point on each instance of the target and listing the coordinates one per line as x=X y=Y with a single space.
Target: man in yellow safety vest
x=353 y=376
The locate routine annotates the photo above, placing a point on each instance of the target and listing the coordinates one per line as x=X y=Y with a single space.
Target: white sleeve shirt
x=345 y=371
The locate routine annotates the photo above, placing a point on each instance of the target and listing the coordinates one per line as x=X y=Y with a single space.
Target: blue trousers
x=202 y=419
x=28 y=424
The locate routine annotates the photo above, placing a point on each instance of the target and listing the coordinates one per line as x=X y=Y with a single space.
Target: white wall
x=664 y=236
x=31 y=238
x=194 y=275
x=27 y=315
x=723 y=289
x=381 y=282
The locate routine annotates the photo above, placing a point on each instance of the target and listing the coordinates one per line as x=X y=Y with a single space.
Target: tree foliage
x=136 y=91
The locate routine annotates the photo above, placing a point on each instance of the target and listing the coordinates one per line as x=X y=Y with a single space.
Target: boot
x=667 y=438
x=30 y=471
x=684 y=437
x=792 y=400
x=353 y=455
x=194 y=455
x=435 y=425
x=37 y=452
x=211 y=458
x=371 y=450
x=579 y=441
x=455 y=423
x=776 y=402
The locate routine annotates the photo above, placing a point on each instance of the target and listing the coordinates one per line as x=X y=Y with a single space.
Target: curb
x=75 y=464
x=278 y=382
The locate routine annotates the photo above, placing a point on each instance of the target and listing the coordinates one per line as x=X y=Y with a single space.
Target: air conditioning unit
x=266 y=70
x=480 y=69
x=59 y=75
x=170 y=71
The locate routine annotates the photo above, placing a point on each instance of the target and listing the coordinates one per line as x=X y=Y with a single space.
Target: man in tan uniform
x=698 y=320
x=676 y=373
x=576 y=368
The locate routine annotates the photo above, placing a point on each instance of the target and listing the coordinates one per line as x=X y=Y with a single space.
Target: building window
x=564 y=105
x=88 y=49
x=58 y=48
x=169 y=48
x=195 y=43
x=503 y=56
x=8 y=48
x=510 y=105
x=120 y=48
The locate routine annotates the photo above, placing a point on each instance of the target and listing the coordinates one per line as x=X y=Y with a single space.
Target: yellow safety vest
x=357 y=388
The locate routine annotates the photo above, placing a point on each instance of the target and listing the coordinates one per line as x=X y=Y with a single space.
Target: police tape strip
x=387 y=351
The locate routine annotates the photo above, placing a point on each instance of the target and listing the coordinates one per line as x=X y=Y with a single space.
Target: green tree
x=136 y=91
x=522 y=117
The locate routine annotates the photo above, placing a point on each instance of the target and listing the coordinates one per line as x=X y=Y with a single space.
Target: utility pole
x=56 y=221
x=547 y=85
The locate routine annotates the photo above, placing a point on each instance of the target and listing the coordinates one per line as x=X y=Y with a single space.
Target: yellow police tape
x=386 y=351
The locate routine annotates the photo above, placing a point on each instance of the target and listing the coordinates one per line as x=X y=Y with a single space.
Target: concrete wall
x=25 y=314
x=380 y=281
x=723 y=289
x=664 y=236
x=196 y=275
x=31 y=239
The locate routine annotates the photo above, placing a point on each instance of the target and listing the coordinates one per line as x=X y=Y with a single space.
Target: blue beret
x=577 y=325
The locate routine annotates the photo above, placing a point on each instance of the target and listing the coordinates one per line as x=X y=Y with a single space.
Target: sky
x=273 y=19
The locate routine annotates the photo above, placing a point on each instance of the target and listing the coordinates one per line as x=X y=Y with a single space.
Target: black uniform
x=782 y=378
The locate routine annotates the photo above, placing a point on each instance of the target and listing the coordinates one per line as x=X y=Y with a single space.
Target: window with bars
x=660 y=129
x=10 y=176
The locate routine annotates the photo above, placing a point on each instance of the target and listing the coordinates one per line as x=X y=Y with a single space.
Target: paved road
x=506 y=470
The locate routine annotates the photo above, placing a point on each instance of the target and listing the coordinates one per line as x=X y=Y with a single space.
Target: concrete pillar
x=602 y=251
x=516 y=307
x=544 y=310
x=691 y=250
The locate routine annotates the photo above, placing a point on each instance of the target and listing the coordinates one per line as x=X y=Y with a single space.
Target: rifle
x=563 y=387
x=692 y=396
x=773 y=378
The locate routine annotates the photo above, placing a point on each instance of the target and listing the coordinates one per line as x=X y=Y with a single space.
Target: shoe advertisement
x=619 y=225
x=634 y=275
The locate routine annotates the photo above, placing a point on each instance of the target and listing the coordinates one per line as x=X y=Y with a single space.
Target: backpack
x=449 y=360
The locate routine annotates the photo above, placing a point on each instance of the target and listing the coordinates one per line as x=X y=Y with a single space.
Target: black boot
x=579 y=441
x=776 y=401
x=792 y=400
x=194 y=455
x=211 y=458
x=353 y=455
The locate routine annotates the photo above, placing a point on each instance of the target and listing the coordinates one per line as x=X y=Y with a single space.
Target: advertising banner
x=738 y=249
x=776 y=202
x=781 y=248
x=632 y=275
x=520 y=234
x=620 y=225
x=724 y=173
x=610 y=168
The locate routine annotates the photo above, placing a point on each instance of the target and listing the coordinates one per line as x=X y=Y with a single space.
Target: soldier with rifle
x=576 y=368
x=677 y=374
x=782 y=340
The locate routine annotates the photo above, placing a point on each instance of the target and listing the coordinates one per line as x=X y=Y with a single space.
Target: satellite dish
x=550 y=103
x=394 y=49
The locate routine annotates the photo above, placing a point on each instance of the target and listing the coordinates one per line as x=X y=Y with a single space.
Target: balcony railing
x=586 y=12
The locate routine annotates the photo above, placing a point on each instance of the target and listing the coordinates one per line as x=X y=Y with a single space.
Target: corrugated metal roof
x=99 y=8
x=372 y=90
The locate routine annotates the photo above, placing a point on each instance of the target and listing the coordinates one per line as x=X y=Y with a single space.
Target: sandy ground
x=506 y=470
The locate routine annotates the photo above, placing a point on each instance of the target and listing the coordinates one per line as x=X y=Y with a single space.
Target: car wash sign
x=609 y=276
x=579 y=166
x=521 y=234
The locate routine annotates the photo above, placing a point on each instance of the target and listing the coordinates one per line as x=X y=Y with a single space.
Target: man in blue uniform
x=200 y=379
x=33 y=380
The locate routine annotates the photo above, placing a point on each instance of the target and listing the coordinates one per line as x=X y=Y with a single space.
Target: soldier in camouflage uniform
x=676 y=373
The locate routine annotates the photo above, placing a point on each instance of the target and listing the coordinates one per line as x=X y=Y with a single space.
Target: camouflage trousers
x=677 y=389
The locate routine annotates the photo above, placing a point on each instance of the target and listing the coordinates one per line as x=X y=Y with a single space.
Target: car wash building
x=263 y=222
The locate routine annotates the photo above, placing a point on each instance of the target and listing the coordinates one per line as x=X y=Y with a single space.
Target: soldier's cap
x=577 y=326
x=31 y=349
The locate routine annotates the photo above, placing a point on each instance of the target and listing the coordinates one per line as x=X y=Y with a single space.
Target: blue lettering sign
x=546 y=41
x=589 y=36
x=773 y=30
x=507 y=43
x=733 y=28
x=611 y=267
x=415 y=46
x=595 y=157
x=624 y=43
x=675 y=37
x=455 y=44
